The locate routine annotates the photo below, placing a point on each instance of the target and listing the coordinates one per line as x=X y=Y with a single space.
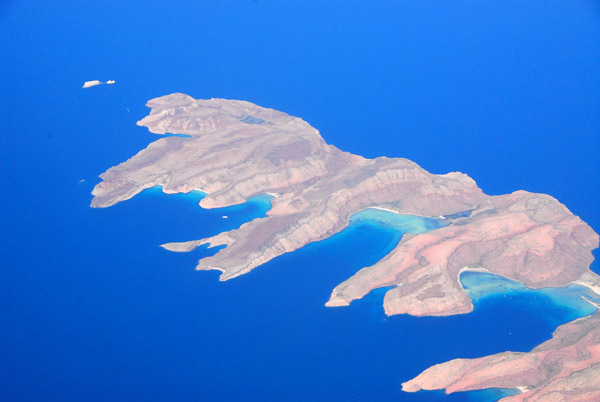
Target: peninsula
x=234 y=150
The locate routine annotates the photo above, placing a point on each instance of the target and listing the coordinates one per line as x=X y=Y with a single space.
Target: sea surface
x=92 y=309
x=138 y=322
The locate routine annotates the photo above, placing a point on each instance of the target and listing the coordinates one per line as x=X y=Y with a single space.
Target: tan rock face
x=237 y=150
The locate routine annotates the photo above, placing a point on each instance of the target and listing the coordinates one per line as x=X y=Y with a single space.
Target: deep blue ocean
x=92 y=309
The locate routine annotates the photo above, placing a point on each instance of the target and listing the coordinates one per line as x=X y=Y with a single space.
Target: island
x=234 y=150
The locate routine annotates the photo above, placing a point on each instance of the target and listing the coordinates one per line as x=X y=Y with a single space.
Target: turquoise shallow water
x=484 y=288
x=400 y=222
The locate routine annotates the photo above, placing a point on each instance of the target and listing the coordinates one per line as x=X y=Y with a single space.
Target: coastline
x=500 y=235
x=593 y=288
x=438 y=217
x=382 y=209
